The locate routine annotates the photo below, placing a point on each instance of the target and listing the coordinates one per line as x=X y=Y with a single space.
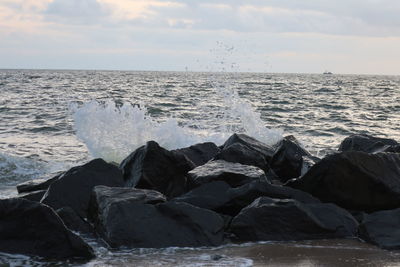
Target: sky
x=307 y=36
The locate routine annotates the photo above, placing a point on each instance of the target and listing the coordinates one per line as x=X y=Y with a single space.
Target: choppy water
x=51 y=120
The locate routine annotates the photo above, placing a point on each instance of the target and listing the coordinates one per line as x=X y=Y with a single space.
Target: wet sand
x=318 y=253
x=307 y=253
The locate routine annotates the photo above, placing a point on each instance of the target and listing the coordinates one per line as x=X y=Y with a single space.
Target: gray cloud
x=355 y=17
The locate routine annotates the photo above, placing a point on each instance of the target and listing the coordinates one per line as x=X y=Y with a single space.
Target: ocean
x=51 y=120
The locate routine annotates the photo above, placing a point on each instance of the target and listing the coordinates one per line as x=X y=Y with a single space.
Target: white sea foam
x=112 y=132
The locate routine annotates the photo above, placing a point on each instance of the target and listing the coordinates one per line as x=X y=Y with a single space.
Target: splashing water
x=240 y=110
x=112 y=132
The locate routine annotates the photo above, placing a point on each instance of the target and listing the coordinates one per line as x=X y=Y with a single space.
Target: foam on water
x=112 y=131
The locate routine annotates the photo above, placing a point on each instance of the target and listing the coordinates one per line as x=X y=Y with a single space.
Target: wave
x=111 y=131
x=16 y=169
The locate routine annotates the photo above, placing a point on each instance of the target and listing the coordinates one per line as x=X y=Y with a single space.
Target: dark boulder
x=133 y=223
x=33 y=196
x=291 y=160
x=104 y=196
x=381 y=228
x=74 y=222
x=36 y=184
x=199 y=154
x=153 y=167
x=239 y=153
x=355 y=180
x=266 y=150
x=31 y=228
x=222 y=198
x=211 y=196
x=268 y=219
x=246 y=194
x=369 y=144
x=235 y=174
x=74 y=187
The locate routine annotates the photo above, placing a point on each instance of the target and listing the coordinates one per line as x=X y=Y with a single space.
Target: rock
x=199 y=154
x=220 y=197
x=245 y=195
x=358 y=215
x=153 y=167
x=135 y=224
x=211 y=196
x=368 y=144
x=104 y=196
x=266 y=150
x=268 y=219
x=235 y=174
x=36 y=185
x=33 y=196
x=355 y=180
x=291 y=160
x=382 y=228
x=74 y=187
x=73 y=221
x=31 y=228
x=239 y=153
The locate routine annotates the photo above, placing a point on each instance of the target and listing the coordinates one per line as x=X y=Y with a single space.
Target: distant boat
x=327 y=73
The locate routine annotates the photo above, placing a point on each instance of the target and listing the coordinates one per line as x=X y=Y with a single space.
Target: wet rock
x=382 y=228
x=244 y=195
x=239 y=153
x=369 y=144
x=199 y=154
x=74 y=222
x=31 y=228
x=358 y=215
x=74 y=187
x=33 y=196
x=136 y=224
x=355 y=180
x=36 y=185
x=291 y=160
x=268 y=219
x=234 y=174
x=266 y=150
x=222 y=198
x=153 y=167
x=103 y=196
x=212 y=196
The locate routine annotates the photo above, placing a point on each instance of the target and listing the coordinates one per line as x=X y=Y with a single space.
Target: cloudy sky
x=308 y=36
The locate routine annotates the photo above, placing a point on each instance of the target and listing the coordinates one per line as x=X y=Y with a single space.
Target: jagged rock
x=33 y=196
x=355 y=180
x=244 y=195
x=382 y=228
x=222 y=198
x=268 y=219
x=73 y=221
x=133 y=223
x=291 y=160
x=104 y=196
x=36 y=185
x=266 y=150
x=239 y=153
x=31 y=228
x=369 y=144
x=199 y=154
x=73 y=188
x=153 y=167
x=210 y=196
x=235 y=174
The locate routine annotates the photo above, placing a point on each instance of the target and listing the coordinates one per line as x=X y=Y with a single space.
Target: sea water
x=51 y=120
